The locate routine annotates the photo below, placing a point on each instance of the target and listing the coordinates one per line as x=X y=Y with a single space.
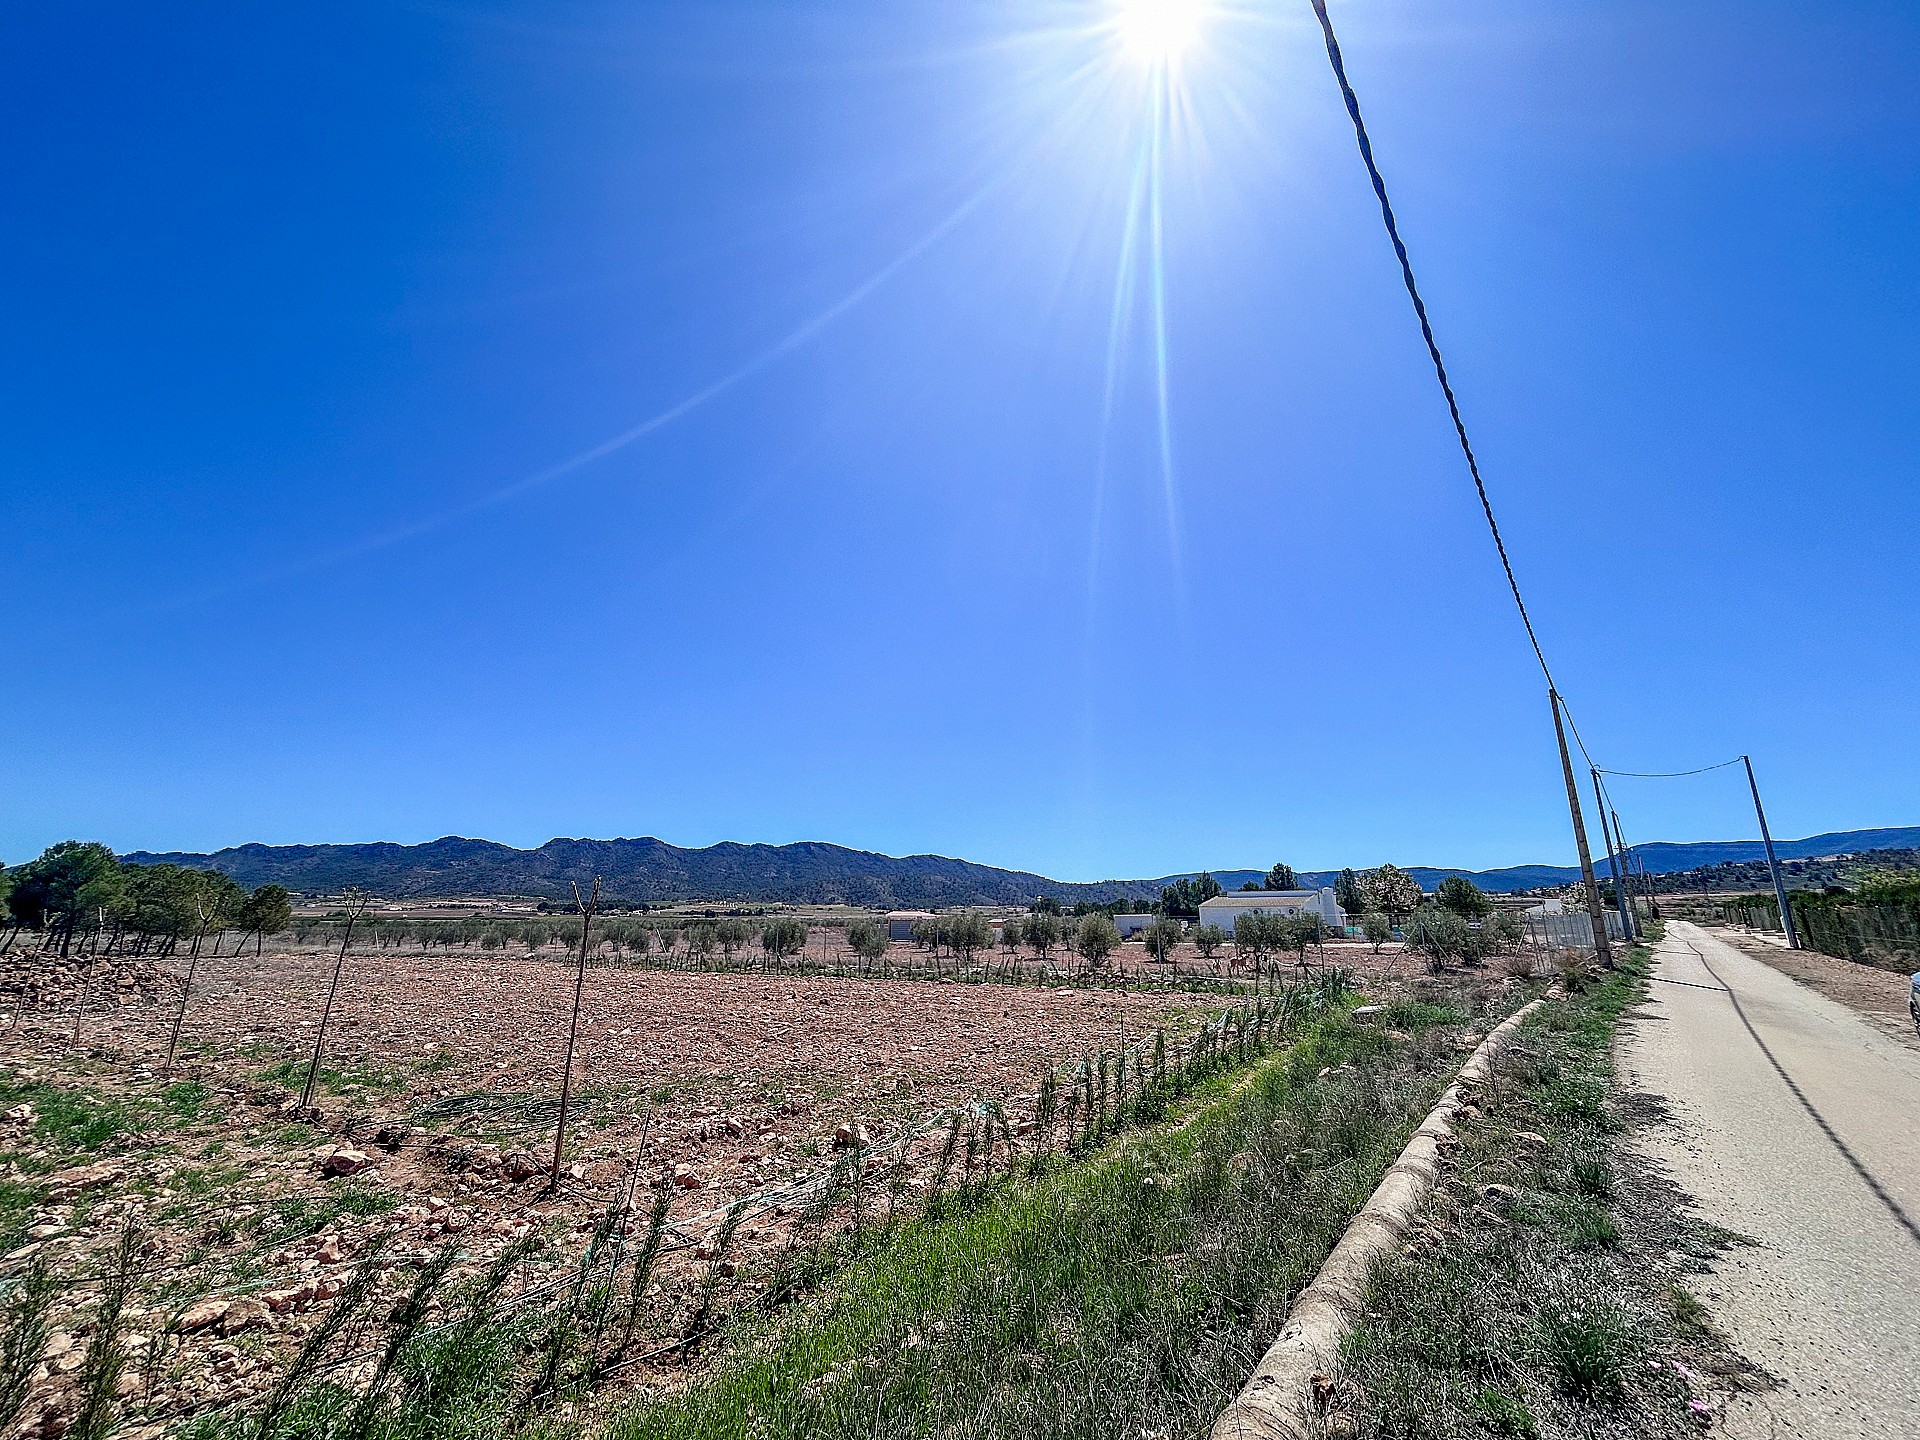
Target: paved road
x=1798 y=1125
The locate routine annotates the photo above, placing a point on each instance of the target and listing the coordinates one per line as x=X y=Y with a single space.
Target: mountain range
x=650 y=871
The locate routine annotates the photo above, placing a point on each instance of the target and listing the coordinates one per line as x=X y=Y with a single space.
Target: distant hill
x=651 y=871
x=645 y=871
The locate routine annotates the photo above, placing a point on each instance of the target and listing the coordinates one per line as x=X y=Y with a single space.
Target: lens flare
x=1157 y=32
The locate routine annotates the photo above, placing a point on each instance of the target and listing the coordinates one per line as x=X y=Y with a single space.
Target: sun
x=1157 y=32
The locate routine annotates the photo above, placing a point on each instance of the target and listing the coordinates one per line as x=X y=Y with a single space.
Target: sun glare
x=1157 y=32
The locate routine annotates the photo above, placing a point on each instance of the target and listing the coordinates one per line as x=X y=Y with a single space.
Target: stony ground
x=434 y=1118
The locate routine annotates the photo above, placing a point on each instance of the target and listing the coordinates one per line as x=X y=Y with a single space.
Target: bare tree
x=586 y=907
x=356 y=906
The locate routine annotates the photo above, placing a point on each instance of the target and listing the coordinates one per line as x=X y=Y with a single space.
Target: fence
x=1572 y=930
x=1886 y=936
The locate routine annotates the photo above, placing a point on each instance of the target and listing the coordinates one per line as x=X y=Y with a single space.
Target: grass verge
x=1541 y=1295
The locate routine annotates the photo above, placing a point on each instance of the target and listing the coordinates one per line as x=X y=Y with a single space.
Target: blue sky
x=320 y=320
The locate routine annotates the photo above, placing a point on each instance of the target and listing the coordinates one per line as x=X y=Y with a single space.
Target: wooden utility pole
x=356 y=901
x=1773 y=861
x=1595 y=914
x=586 y=908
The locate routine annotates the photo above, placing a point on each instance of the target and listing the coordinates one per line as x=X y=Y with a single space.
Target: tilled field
x=433 y=1127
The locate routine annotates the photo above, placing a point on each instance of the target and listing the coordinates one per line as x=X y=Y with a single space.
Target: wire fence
x=1884 y=936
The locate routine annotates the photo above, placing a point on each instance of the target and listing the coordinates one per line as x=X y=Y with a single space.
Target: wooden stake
x=356 y=907
x=586 y=908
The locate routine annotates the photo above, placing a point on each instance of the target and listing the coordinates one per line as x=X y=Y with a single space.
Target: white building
x=1131 y=925
x=1223 y=910
x=900 y=923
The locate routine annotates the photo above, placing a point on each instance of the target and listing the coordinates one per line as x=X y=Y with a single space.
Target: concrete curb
x=1282 y=1401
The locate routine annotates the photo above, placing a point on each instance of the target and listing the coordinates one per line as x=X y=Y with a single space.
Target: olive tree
x=783 y=937
x=1438 y=934
x=1095 y=938
x=967 y=934
x=1162 y=935
x=867 y=939
x=1253 y=938
x=1208 y=938
x=1300 y=933
x=1377 y=928
x=1041 y=932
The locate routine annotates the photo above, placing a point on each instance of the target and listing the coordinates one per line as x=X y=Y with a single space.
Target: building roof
x=909 y=914
x=1233 y=896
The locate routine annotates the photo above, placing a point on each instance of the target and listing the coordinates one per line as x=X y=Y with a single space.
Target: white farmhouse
x=1131 y=925
x=1223 y=910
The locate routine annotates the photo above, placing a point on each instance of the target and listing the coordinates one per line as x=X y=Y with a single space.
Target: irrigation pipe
x=1282 y=1401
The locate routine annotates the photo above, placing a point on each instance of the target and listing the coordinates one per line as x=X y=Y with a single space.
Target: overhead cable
x=1669 y=774
x=1426 y=331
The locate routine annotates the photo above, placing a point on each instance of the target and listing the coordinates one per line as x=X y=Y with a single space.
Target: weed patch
x=1555 y=1317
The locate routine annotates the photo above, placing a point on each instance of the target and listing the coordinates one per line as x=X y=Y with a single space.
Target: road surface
x=1798 y=1125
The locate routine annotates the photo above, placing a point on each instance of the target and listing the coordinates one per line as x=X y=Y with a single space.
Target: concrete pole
x=1773 y=861
x=1607 y=838
x=1594 y=913
x=1629 y=859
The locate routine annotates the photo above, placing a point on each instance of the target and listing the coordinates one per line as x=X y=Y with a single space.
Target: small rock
x=67 y=1183
x=202 y=1314
x=850 y=1137
x=1367 y=1013
x=1499 y=1196
x=285 y=1302
x=243 y=1315
x=685 y=1178
x=1530 y=1139
x=344 y=1160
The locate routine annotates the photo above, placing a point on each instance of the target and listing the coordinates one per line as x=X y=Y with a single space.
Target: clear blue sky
x=308 y=308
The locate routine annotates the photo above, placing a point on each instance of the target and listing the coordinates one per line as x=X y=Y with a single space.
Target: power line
x=1668 y=774
x=1426 y=332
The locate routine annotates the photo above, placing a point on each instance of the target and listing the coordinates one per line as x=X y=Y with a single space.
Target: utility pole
x=1773 y=861
x=1594 y=912
x=1611 y=839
